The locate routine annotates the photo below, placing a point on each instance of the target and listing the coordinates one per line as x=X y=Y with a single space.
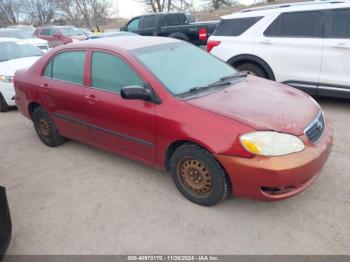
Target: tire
x=198 y=176
x=253 y=69
x=3 y=105
x=46 y=128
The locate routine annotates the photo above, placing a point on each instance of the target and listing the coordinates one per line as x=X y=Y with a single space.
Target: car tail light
x=203 y=34
x=211 y=44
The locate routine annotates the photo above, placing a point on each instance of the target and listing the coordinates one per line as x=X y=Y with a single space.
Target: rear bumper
x=5 y=223
x=277 y=178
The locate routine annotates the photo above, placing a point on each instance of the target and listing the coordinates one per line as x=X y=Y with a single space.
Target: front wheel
x=198 y=176
x=46 y=128
x=252 y=69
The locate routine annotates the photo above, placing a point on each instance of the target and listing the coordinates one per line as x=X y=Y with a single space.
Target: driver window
x=111 y=73
x=134 y=25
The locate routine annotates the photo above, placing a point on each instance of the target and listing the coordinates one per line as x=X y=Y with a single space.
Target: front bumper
x=5 y=223
x=8 y=92
x=277 y=178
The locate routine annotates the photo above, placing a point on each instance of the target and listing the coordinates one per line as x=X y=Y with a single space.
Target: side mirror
x=124 y=28
x=136 y=92
x=56 y=36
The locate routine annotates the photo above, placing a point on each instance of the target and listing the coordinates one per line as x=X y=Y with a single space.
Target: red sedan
x=175 y=107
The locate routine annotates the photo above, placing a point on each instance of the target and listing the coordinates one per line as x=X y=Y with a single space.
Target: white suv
x=305 y=45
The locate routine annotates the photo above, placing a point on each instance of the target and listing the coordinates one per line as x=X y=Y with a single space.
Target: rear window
x=301 y=24
x=172 y=19
x=149 y=21
x=235 y=27
x=340 y=27
x=67 y=66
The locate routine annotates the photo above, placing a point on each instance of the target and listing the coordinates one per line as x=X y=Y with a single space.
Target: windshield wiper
x=224 y=81
x=225 y=78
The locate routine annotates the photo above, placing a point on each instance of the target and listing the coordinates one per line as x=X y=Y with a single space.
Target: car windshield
x=69 y=31
x=182 y=67
x=12 y=50
x=17 y=34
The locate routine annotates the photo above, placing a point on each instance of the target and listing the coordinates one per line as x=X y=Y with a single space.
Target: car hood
x=263 y=105
x=8 y=68
x=36 y=41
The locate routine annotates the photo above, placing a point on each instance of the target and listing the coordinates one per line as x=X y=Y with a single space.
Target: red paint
x=214 y=122
x=211 y=44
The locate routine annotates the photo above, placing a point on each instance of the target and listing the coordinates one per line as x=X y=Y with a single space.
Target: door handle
x=266 y=42
x=45 y=87
x=91 y=99
x=341 y=45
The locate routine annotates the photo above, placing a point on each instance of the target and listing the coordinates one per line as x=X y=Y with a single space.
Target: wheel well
x=172 y=148
x=242 y=59
x=31 y=107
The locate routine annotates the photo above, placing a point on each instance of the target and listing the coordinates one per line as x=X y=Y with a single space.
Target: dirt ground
x=80 y=200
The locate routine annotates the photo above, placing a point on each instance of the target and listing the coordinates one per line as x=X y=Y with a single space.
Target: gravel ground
x=80 y=200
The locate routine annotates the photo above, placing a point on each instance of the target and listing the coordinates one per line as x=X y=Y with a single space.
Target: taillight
x=203 y=34
x=211 y=44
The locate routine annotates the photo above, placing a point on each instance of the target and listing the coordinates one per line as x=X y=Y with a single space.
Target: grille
x=315 y=129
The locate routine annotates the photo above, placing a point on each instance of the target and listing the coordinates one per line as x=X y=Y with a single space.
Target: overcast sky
x=130 y=8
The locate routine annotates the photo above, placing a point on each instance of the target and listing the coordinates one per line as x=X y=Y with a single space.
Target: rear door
x=126 y=127
x=292 y=47
x=62 y=88
x=335 y=71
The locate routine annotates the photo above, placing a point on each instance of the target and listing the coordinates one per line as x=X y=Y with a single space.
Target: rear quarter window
x=235 y=27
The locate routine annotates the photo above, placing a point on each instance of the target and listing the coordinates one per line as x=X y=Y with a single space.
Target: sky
x=131 y=8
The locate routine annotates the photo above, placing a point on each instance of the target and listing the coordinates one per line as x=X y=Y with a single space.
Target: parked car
x=173 y=106
x=14 y=54
x=176 y=25
x=27 y=28
x=5 y=223
x=305 y=45
x=60 y=35
x=113 y=34
x=25 y=35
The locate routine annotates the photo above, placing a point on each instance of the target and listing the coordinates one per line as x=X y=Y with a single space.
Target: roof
x=124 y=43
x=8 y=39
x=290 y=7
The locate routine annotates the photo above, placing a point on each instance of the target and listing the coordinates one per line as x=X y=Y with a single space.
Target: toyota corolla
x=172 y=106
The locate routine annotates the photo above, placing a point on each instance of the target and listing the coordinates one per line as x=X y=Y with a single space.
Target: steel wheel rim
x=44 y=127
x=195 y=176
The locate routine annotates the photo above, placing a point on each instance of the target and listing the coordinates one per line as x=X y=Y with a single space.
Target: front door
x=126 y=127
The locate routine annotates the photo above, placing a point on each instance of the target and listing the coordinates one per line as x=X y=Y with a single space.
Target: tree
x=9 y=11
x=84 y=12
x=216 y=4
x=167 y=5
x=39 y=12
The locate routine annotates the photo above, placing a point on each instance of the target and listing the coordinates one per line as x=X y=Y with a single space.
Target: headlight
x=268 y=143
x=6 y=79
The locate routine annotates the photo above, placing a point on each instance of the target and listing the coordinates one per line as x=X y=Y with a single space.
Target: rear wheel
x=46 y=128
x=198 y=175
x=3 y=105
x=252 y=69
